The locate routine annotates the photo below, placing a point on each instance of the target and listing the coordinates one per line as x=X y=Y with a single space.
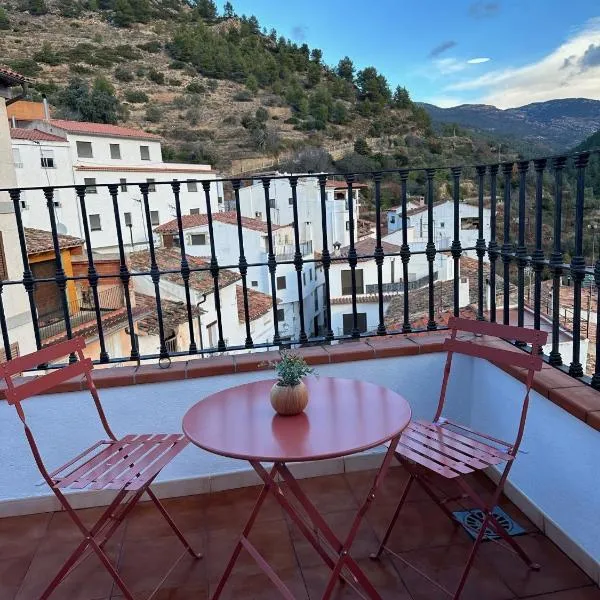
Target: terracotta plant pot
x=289 y=400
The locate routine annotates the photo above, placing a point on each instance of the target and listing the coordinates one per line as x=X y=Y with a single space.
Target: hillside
x=556 y=125
x=217 y=87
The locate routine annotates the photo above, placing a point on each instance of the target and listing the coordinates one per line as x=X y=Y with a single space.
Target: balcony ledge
x=572 y=395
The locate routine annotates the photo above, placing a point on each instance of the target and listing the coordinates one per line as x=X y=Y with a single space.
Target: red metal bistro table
x=343 y=417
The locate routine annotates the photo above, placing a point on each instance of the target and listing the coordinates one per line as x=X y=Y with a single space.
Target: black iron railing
x=550 y=194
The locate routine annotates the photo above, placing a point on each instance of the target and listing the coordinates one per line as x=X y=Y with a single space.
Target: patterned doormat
x=472 y=520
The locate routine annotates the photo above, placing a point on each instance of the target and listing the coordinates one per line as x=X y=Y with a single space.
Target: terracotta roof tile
x=259 y=304
x=342 y=185
x=103 y=129
x=420 y=209
x=230 y=218
x=12 y=76
x=367 y=246
x=34 y=135
x=174 y=314
x=170 y=259
x=39 y=241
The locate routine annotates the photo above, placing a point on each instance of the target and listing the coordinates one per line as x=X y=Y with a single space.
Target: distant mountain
x=556 y=125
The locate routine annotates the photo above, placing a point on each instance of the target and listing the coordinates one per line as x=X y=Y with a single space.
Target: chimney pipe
x=46 y=108
x=14 y=122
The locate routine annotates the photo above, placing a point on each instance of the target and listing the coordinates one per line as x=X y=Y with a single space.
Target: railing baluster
x=480 y=243
x=352 y=256
x=430 y=251
x=154 y=271
x=325 y=258
x=214 y=268
x=379 y=255
x=521 y=253
x=507 y=246
x=185 y=267
x=272 y=263
x=124 y=274
x=92 y=273
x=28 y=281
x=405 y=252
x=298 y=262
x=456 y=248
x=3 y=326
x=537 y=258
x=556 y=260
x=243 y=263
x=59 y=277
x=578 y=265
x=493 y=250
x=596 y=376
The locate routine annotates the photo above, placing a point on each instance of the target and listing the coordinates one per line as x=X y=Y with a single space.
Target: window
x=349 y=323
x=115 y=151
x=213 y=334
x=272 y=203
x=151 y=186
x=258 y=215
x=194 y=211
x=84 y=150
x=128 y=222
x=24 y=205
x=154 y=220
x=192 y=186
x=442 y=224
x=145 y=152
x=281 y=283
x=290 y=201
x=469 y=223
x=347 y=225
x=198 y=239
x=90 y=185
x=123 y=183
x=57 y=204
x=392 y=219
x=220 y=199
x=47 y=159
x=254 y=284
x=347 y=282
x=95 y=223
x=280 y=314
x=17 y=158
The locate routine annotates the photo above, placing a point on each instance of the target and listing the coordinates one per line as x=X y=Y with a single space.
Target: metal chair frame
x=128 y=465
x=447 y=449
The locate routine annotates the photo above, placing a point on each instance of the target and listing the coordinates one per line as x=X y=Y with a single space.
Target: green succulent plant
x=291 y=369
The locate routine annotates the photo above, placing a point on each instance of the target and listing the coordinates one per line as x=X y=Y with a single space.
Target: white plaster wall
x=370 y=308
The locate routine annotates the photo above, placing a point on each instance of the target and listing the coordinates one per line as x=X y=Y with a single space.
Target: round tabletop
x=343 y=416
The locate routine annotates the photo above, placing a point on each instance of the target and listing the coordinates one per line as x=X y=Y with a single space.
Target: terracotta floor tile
x=381 y=574
x=329 y=494
x=390 y=490
x=63 y=529
x=143 y=563
x=272 y=540
x=445 y=565
x=20 y=536
x=340 y=522
x=146 y=520
x=558 y=572
x=12 y=574
x=89 y=581
x=257 y=586
x=585 y=593
x=420 y=525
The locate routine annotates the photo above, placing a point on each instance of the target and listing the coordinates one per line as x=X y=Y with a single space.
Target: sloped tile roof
x=170 y=259
x=12 y=76
x=174 y=314
x=259 y=303
x=230 y=218
x=103 y=129
x=367 y=247
x=38 y=241
x=34 y=135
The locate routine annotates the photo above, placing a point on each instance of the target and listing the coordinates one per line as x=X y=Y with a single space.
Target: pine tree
x=123 y=15
x=4 y=20
x=228 y=11
x=402 y=98
x=37 y=7
x=345 y=69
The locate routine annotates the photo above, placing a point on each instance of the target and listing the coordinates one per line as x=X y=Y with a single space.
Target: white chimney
x=46 y=109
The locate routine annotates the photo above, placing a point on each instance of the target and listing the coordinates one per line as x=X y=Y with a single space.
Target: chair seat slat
x=405 y=452
x=432 y=454
x=444 y=433
x=442 y=448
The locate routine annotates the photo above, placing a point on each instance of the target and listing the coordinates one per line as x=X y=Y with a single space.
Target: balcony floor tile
x=34 y=548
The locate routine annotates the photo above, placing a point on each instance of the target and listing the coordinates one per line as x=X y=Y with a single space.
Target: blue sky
x=536 y=49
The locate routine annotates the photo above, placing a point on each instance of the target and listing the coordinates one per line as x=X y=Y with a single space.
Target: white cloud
x=560 y=74
x=447 y=66
x=478 y=61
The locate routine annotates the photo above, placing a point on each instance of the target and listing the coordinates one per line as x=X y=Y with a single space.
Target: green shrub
x=154 y=114
x=261 y=115
x=153 y=47
x=156 y=76
x=292 y=121
x=25 y=66
x=123 y=74
x=243 y=96
x=47 y=56
x=175 y=82
x=36 y=7
x=136 y=96
x=4 y=20
x=195 y=87
x=230 y=120
x=80 y=69
x=177 y=65
x=213 y=85
x=192 y=116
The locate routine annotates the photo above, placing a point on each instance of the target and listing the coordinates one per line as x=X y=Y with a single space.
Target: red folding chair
x=446 y=449
x=127 y=465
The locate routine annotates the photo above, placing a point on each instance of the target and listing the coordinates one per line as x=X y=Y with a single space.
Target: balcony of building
x=552 y=492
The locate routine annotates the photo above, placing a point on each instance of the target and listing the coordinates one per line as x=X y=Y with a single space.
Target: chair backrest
x=16 y=392
x=531 y=361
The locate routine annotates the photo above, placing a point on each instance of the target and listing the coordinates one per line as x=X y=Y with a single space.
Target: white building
x=308 y=193
x=92 y=154
x=443 y=224
x=255 y=238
